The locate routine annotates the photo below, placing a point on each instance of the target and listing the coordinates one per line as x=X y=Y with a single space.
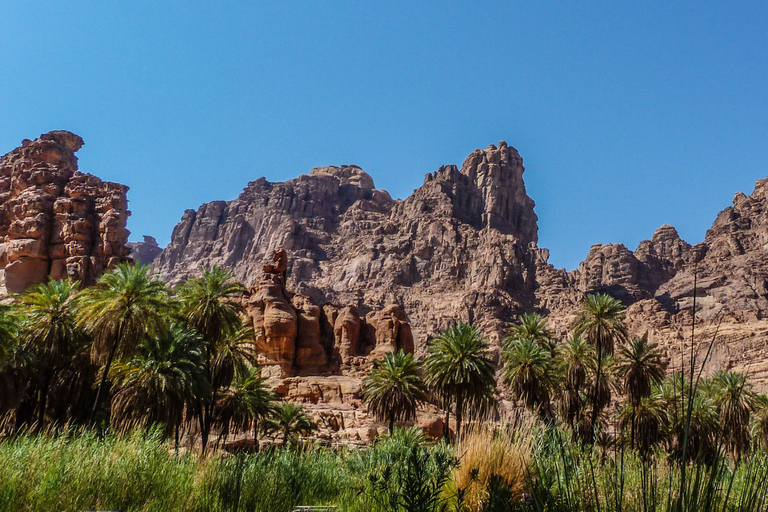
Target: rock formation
x=146 y=251
x=296 y=336
x=54 y=220
x=461 y=247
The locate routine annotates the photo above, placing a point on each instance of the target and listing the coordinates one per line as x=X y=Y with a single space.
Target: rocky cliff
x=146 y=251
x=462 y=246
x=54 y=220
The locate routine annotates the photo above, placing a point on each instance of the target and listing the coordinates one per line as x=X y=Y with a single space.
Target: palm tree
x=531 y=326
x=394 y=388
x=50 y=332
x=209 y=304
x=245 y=402
x=735 y=401
x=601 y=323
x=601 y=390
x=575 y=357
x=159 y=380
x=8 y=331
x=697 y=438
x=290 y=419
x=124 y=306
x=529 y=371
x=649 y=417
x=11 y=378
x=460 y=373
x=641 y=367
x=761 y=416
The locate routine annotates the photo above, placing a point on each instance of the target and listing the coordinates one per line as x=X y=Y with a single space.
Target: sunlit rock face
x=461 y=247
x=54 y=220
x=295 y=336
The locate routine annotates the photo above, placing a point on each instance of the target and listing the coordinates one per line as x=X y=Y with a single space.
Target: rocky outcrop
x=294 y=335
x=146 y=251
x=54 y=220
x=461 y=247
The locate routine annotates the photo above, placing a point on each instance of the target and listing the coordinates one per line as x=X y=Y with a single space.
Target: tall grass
x=493 y=456
x=142 y=473
x=570 y=478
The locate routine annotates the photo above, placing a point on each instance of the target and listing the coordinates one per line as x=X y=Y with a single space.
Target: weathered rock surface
x=462 y=246
x=54 y=220
x=296 y=336
x=146 y=251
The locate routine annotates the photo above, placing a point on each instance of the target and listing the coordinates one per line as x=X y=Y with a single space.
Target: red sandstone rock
x=54 y=220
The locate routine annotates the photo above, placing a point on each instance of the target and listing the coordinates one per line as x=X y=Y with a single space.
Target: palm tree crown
x=126 y=304
x=531 y=326
x=529 y=371
x=394 y=388
x=208 y=303
x=459 y=371
x=735 y=401
x=601 y=322
x=290 y=419
x=641 y=366
x=245 y=402
x=156 y=383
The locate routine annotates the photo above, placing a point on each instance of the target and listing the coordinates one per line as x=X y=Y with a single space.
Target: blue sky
x=628 y=115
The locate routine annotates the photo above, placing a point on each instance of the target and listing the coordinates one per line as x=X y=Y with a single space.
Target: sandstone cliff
x=54 y=220
x=462 y=246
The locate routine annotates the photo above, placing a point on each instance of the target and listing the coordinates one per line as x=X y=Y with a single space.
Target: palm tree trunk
x=446 y=429
x=203 y=432
x=104 y=373
x=597 y=387
x=459 y=406
x=391 y=423
x=43 y=400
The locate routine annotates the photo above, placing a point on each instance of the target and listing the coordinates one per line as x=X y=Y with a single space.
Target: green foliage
x=394 y=389
x=459 y=371
x=245 y=403
x=413 y=481
x=530 y=372
x=154 y=386
x=290 y=420
x=531 y=326
x=126 y=305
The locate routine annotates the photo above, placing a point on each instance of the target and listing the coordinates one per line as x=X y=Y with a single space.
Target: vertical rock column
x=54 y=220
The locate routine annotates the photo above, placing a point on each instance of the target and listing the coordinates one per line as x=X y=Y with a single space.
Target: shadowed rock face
x=146 y=251
x=54 y=220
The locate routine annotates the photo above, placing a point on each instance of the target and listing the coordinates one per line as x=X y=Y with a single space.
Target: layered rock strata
x=54 y=220
x=146 y=251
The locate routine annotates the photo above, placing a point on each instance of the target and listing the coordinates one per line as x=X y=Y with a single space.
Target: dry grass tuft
x=487 y=449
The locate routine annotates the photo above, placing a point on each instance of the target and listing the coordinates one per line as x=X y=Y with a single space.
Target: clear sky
x=628 y=115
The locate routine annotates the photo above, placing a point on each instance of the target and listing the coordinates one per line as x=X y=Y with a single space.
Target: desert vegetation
x=99 y=387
